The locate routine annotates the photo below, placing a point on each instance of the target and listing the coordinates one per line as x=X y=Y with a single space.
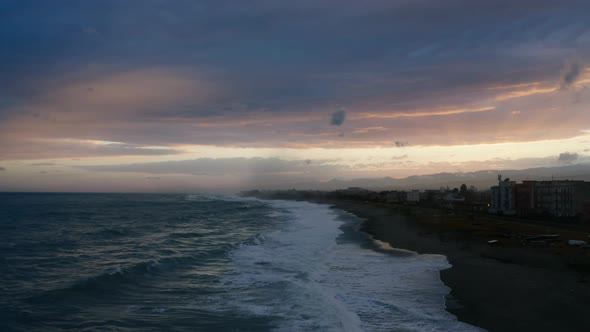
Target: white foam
x=116 y=270
x=387 y=247
x=219 y=197
x=300 y=275
x=199 y=198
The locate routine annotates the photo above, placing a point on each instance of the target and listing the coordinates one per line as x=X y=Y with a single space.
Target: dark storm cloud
x=278 y=57
x=567 y=157
x=338 y=118
x=272 y=38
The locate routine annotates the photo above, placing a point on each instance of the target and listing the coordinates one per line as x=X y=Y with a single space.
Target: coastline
x=497 y=288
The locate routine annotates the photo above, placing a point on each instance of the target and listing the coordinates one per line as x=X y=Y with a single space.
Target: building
x=525 y=197
x=431 y=195
x=392 y=196
x=413 y=196
x=503 y=199
x=562 y=198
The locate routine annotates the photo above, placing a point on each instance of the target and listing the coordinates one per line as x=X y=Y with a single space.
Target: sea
x=201 y=262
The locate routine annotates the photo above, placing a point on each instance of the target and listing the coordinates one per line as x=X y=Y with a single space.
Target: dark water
x=132 y=262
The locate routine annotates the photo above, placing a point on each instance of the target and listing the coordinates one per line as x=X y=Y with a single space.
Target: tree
x=463 y=189
x=471 y=194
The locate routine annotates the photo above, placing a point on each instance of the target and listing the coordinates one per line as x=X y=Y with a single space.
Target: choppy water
x=131 y=262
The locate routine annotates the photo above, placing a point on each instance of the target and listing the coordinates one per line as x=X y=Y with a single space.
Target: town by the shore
x=507 y=274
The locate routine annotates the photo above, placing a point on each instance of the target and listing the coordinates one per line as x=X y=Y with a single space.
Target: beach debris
x=493 y=241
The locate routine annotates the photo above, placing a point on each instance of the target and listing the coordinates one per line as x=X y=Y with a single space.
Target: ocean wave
x=119 y=276
x=200 y=198
x=276 y=274
x=110 y=233
x=316 y=277
x=235 y=202
x=188 y=235
x=141 y=258
x=219 y=198
x=255 y=240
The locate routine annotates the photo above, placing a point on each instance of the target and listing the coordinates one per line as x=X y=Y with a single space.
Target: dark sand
x=499 y=288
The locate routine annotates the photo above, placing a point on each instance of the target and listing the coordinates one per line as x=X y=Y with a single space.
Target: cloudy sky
x=179 y=95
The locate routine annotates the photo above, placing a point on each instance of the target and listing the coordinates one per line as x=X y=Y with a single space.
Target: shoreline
x=497 y=288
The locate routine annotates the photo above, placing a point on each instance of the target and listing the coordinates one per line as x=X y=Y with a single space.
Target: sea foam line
x=299 y=275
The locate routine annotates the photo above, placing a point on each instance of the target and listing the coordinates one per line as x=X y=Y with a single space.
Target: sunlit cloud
x=443 y=112
x=121 y=84
x=524 y=93
x=62 y=148
x=513 y=86
x=368 y=130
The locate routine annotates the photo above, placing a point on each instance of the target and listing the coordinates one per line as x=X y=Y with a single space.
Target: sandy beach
x=511 y=285
x=499 y=288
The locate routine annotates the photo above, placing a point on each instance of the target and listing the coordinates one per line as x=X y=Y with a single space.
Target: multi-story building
x=503 y=200
x=413 y=196
x=563 y=198
x=524 y=194
x=392 y=196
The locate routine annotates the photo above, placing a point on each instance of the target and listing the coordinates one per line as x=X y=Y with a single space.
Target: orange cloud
x=523 y=93
x=86 y=96
x=512 y=86
x=442 y=112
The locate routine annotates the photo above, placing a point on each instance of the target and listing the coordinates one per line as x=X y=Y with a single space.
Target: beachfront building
x=431 y=195
x=450 y=199
x=525 y=197
x=413 y=196
x=453 y=197
x=392 y=196
x=562 y=198
x=503 y=200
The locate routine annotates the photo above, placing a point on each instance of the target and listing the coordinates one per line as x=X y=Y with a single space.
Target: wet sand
x=499 y=288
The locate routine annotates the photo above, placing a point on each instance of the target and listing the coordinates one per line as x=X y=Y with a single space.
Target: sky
x=223 y=95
